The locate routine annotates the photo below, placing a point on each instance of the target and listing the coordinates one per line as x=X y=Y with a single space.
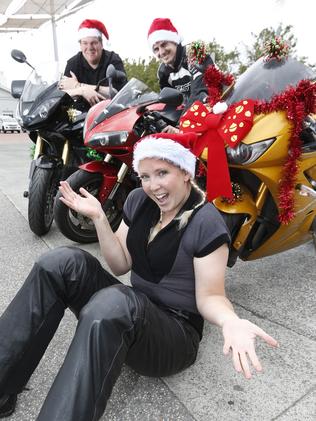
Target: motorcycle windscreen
x=262 y=80
x=38 y=81
x=132 y=94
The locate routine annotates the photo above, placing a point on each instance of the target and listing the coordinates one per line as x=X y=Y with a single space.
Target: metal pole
x=54 y=31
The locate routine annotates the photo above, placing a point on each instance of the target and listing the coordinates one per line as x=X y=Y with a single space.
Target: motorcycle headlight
x=43 y=109
x=108 y=139
x=246 y=154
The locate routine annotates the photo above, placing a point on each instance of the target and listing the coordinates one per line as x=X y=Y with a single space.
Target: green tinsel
x=94 y=155
x=32 y=151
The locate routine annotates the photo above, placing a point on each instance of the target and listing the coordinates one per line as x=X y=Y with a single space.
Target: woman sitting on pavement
x=176 y=247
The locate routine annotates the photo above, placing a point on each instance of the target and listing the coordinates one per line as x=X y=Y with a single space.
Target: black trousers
x=116 y=325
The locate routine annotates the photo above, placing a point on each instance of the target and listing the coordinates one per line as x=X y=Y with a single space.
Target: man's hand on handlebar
x=170 y=129
x=92 y=96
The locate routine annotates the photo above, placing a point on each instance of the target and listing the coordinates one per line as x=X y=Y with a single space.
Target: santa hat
x=92 y=28
x=174 y=148
x=162 y=29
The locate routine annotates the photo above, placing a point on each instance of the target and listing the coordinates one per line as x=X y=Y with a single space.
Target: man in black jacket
x=176 y=70
x=85 y=69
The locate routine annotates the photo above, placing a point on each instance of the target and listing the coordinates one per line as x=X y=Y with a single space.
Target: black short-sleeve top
x=163 y=269
x=87 y=74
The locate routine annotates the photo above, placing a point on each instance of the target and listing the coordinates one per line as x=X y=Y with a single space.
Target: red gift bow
x=216 y=130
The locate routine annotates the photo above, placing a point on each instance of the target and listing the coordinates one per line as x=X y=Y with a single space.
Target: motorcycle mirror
x=119 y=75
x=110 y=71
x=170 y=96
x=17 y=87
x=116 y=75
x=20 y=57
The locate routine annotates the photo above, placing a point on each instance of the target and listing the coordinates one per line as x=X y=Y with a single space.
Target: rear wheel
x=77 y=227
x=42 y=191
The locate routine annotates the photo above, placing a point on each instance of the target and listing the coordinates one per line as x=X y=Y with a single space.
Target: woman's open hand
x=84 y=203
x=239 y=338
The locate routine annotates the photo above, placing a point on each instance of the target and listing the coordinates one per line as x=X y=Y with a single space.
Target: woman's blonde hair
x=185 y=216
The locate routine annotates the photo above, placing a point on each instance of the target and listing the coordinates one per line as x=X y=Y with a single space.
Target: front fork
x=119 y=180
x=38 y=151
x=39 y=147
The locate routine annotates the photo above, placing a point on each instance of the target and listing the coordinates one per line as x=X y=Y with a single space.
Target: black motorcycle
x=54 y=121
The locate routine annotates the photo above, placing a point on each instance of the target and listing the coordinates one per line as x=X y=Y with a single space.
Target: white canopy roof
x=25 y=15
x=21 y=15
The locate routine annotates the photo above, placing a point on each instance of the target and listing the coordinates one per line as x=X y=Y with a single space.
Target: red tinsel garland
x=214 y=80
x=297 y=102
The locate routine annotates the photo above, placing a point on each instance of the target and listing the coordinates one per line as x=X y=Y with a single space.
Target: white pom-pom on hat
x=219 y=107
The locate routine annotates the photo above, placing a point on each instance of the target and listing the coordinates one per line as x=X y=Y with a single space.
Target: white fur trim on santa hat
x=167 y=149
x=163 y=35
x=89 y=32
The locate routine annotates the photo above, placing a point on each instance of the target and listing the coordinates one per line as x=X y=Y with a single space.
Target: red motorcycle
x=111 y=129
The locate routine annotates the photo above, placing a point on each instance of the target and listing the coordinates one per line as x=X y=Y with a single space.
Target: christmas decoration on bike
x=197 y=52
x=277 y=48
x=215 y=131
x=215 y=81
x=297 y=102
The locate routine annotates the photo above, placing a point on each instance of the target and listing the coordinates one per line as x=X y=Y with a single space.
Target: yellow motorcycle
x=273 y=207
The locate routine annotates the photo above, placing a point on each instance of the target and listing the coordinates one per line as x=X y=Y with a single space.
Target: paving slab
x=276 y=292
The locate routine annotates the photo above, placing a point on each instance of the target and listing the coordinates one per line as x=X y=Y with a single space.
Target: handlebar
x=154 y=122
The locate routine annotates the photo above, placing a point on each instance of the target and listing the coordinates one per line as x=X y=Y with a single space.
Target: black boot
x=7 y=405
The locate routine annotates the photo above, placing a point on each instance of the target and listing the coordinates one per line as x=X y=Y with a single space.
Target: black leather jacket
x=185 y=77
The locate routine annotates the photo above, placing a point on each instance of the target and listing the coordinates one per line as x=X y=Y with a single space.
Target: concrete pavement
x=277 y=293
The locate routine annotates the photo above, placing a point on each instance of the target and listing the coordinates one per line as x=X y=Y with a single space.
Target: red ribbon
x=216 y=130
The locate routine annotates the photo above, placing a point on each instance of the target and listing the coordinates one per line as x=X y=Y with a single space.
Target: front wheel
x=42 y=191
x=77 y=227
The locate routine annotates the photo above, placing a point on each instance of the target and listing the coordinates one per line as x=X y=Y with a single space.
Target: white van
x=9 y=124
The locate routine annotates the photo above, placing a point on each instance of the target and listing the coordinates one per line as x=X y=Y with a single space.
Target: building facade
x=8 y=104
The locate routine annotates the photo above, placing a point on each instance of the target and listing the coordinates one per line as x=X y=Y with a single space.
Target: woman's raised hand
x=84 y=203
x=239 y=338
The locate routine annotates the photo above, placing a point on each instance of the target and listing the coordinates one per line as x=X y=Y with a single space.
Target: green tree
x=255 y=51
x=226 y=61
x=144 y=71
x=235 y=61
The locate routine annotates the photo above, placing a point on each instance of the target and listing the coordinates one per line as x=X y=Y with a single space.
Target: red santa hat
x=162 y=29
x=174 y=148
x=92 y=28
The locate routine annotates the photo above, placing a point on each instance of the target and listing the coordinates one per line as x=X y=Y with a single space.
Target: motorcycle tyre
x=42 y=192
x=64 y=216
